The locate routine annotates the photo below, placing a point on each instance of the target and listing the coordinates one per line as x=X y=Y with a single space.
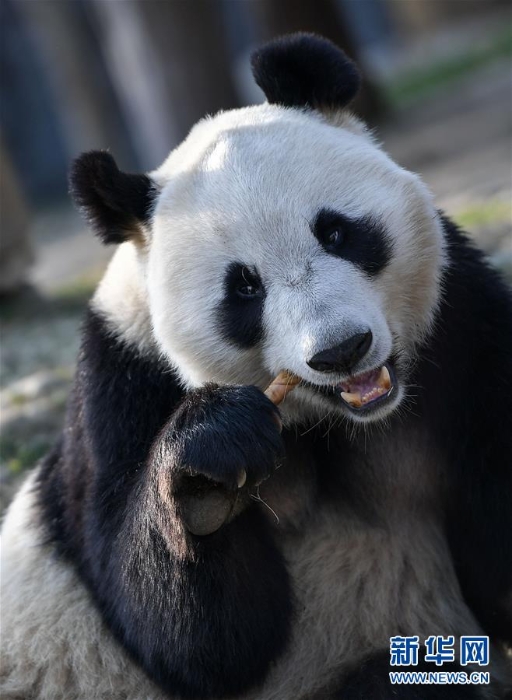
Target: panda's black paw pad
x=230 y=435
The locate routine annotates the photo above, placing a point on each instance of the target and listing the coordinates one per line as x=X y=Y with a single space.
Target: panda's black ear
x=305 y=70
x=115 y=204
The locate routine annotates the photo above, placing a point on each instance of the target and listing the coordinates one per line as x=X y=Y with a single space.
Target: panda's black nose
x=343 y=357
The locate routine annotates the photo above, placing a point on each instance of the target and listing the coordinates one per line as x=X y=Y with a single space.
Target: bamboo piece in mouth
x=280 y=386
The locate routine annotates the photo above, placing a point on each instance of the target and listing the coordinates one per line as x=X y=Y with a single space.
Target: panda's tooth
x=241 y=479
x=385 y=378
x=354 y=399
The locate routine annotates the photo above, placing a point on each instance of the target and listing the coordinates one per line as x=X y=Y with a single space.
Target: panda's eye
x=247 y=290
x=333 y=237
x=249 y=285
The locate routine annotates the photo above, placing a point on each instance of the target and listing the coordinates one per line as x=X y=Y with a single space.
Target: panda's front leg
x=220 y=444
x=206 y=615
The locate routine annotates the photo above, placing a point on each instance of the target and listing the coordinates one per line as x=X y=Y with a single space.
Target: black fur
x=108 y=437
x=466 y=372
x=240 y=319
x=305 y=70
x=205 y=617
x=362 y=241
x=370 y=681
x=113 y=202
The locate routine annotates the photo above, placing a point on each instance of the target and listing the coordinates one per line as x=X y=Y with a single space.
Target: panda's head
x=278 y=236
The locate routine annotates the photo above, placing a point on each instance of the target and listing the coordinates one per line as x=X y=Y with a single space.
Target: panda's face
x=281 y=241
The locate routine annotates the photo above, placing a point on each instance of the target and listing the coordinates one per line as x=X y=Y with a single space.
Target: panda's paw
x=229 y=435
x=218 y=446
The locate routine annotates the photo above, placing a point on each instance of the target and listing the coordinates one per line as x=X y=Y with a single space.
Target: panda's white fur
x=245 y=186
x=204 y=221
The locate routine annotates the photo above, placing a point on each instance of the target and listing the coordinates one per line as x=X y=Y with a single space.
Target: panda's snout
x=343 y=357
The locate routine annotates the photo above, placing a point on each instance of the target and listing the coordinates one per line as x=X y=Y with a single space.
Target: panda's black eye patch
x=241 y=309
x=362 y=241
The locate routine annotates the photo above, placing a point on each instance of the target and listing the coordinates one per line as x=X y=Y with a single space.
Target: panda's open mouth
x=365 y=392
x=368 y=389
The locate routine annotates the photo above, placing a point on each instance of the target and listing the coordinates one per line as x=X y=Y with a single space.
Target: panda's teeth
x=385 y=379
x=373 y=394
x=354 y=399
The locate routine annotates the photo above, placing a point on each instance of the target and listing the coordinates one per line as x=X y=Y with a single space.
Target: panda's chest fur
x=361 y=575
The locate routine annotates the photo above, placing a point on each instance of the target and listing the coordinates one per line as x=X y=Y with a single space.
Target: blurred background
x=134 y=75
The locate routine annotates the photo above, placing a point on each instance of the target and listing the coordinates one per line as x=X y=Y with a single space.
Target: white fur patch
x=254 y=204
x=122 y=297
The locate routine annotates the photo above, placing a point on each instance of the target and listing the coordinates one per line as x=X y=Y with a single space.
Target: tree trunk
x=169 y=63
x=86 y=106
x=15 y=251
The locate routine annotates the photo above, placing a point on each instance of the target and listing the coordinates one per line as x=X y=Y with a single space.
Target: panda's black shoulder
x=470 y=276
x=473 y=325
x=467 y=357
x=119 y=401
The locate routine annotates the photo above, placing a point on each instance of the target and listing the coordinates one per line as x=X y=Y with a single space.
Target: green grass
x=20 y=457
x=421 y=82
x=491 y=213
x=19 y=400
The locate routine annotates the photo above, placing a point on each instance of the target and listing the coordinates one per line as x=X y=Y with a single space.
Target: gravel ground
x=459 y=142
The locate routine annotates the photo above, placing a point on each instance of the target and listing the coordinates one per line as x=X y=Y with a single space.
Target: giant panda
x=186 y=538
